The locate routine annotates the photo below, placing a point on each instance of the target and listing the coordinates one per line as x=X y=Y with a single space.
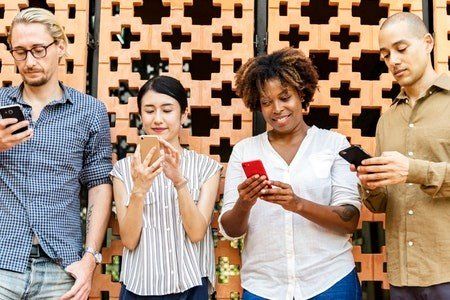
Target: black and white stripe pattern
x=166 y=261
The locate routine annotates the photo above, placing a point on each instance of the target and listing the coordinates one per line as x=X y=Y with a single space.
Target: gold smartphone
x=147 y=142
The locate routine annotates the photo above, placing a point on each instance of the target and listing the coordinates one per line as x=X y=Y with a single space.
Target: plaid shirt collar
x=16 y=95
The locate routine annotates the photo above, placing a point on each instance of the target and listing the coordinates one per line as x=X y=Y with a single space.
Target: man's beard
x=36 y=82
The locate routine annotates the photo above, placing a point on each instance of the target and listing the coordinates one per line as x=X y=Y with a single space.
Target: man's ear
x=429 y=41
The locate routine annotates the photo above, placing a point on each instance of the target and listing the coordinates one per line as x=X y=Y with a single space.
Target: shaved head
x=415 y=23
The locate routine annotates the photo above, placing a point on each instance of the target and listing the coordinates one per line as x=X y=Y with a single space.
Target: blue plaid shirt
x=40 y=179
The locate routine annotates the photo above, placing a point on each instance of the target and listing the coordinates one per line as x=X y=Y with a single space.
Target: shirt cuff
x=222 y=231
x=94 y=183
x=366 y=193
x=418 y=171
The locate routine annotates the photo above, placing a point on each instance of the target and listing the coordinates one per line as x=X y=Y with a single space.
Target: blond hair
x=40 y=16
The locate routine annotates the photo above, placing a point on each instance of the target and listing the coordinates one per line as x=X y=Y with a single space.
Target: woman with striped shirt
x=164 y=209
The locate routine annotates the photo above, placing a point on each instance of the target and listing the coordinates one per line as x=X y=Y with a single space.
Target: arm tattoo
x=88 y=217
x=346 y=212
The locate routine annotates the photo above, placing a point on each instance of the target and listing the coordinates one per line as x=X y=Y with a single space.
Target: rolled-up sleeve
x=97 y=154
x=234 y=176
x=433 y=177
x=344 y=182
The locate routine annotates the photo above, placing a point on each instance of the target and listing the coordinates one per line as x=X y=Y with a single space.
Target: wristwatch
x=97 y=255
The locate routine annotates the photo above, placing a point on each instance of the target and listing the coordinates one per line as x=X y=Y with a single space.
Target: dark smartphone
x=254 y=167
x=13 y=111
x=354 y=155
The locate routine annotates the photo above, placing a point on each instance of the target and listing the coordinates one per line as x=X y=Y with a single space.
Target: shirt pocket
x=150 y=213
x=434 y=143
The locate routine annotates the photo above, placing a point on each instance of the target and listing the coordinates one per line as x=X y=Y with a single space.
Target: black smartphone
x=13 y=111
x=354 y=155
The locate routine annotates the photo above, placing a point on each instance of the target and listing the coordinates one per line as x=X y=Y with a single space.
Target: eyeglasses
x=36 y=51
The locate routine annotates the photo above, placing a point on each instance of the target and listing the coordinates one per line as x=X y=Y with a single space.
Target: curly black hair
x=288 y=65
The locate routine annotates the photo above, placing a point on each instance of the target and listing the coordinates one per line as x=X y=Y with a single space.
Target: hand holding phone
x=13 y=132
x=354 y=155
x=255 y=167
x=13 y=112
x=147 y=142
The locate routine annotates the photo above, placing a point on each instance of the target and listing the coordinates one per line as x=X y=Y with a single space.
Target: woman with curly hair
x=298 y=221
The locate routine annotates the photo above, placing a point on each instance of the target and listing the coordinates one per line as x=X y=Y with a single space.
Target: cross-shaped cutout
x=392 y=92
x=201 y=66
x=367 y=121
x=294 y=36
x=345 y=37
x=123 y=92
x=151 y=64
x=225 y=94
x=202 y=12
x=3 y=40
x=345 y=93
x=369 y=65
x=320 y=117
x=122 y=147
x=319 y=11
x=227 y=39
x=370 y=12
x=202 y=121
x=223 y=150
x=41 y=4
x=325 y=65
x=152 y=11
x=176 y=38
x=125 y=37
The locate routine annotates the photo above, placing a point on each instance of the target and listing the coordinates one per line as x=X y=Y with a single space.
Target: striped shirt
x=165 y=260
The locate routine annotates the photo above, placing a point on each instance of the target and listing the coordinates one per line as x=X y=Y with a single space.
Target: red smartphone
x=254 y=167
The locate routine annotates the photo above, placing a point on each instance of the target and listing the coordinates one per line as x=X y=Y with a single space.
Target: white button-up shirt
x=285 y=255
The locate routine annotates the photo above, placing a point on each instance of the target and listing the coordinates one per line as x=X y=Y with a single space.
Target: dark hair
x=164 y=85
x=288 y=65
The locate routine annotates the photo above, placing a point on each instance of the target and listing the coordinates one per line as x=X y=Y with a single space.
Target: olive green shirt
x=417 y=212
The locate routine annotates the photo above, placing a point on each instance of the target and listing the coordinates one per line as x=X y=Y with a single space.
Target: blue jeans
x=43 y=279
x=199 y=292
x=348 y=288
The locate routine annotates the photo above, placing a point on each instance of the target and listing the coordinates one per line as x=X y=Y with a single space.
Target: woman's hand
x=282 y=195
x=143 y=174
x=171 y=163
x=250 y=190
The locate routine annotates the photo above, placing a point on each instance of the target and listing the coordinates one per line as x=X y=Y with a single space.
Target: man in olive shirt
x=410 y=180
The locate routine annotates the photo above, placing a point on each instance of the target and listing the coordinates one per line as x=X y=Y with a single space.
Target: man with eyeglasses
x=42 y=169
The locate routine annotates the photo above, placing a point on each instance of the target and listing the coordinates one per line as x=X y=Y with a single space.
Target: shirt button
x=410 y=153
x=171 y=272
x=411 y=125
x=166 y=207
x=410 y=212
x=170 y=250
x=410 y=243
x=410 y=184
x=168 y=228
